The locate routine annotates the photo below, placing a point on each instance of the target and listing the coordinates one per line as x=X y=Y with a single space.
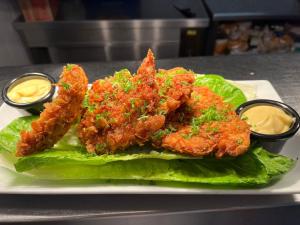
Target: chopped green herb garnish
x=112 y=120
x=212 y=129
x=161 y=92
x=187 y=136
x=103 y=115
x=143 y=117
x=127 y=114
x=143 y=108
x=196 y=97
x=245 y=118
x=160 y=74
x=65 y=85
x=101 y=81
x=185 y=83
x=106 y=96
x=98 y=117
x=208 y=115
x=171 y=128
x=166 y=85
x=168 y=82
x=122 y=79
x=101 y=147
x=162 y=100
x=239 y=141
x=69 y=67
x=86 y=103
x=162 y=112
x=158 y=135
x=180 y=71
x=132 y=103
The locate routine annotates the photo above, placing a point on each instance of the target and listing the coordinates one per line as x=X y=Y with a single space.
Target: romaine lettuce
x=220 y=86
x=68 y=159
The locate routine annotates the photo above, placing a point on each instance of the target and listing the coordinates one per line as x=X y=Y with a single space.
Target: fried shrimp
x=120 y=110
x=175 y=86
x=125 y=110
x=209 y=126
x=58 y=116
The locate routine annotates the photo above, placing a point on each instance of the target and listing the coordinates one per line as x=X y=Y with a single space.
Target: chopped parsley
x=166 y=85
x=168 y=82
x=187 y=136
x=158 y=135
x=245 y=118
x=101 y=147
x=103 y=115
x=212 y=130
x=65 y=85
x=127 y=114
x=195 y=96
x=160 y=74
x=239 y=141
x=132 y=103
x=180 y=71
x=106 y=96
x=184 y=83
x=69 y=67
x=143 y=117
x=143 y=108
x=86 y=103
x=208 y=115
x=162 y=100
x=122 y=79
x=162 y=112
x=112 y=120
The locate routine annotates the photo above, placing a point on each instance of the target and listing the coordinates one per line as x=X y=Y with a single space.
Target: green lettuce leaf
x=220 y=86
x=69 y=160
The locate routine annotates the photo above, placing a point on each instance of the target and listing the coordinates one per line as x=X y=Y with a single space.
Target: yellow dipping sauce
x=266 y=119
x=30 y=90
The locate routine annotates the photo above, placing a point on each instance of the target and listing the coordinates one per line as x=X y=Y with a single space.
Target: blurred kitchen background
x=60 y=31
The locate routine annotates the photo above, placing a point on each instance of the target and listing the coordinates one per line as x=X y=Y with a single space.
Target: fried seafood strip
x=209 y=126
x=58 y=115
x=125 y=110
x=175 y=87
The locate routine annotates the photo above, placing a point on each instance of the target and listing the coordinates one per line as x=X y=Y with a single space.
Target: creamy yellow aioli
x=268 y=119
x=29 y=90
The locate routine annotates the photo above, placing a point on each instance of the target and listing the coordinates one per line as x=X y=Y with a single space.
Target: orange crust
x=58 y=116
x=229 y=137
x=133 y=116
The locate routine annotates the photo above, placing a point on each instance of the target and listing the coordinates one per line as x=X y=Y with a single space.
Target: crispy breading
x=119 y=104
x=125 y=110
x=163 y=107
x=209 y=126
x=58 y=115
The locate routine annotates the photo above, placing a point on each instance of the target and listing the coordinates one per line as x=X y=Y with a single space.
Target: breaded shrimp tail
x=147 y=67
x=58 y=116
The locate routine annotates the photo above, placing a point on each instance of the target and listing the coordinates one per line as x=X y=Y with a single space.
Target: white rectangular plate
x=12 y=182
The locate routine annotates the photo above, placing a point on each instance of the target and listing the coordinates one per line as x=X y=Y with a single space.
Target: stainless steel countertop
x=281 y=70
